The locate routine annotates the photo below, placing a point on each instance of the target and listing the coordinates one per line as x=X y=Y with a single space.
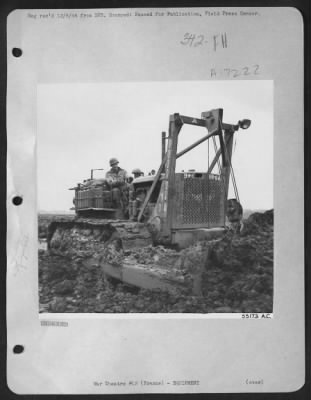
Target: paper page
x=151 y=283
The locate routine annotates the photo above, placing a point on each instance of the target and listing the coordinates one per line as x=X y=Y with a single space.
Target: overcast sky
x=81 y=126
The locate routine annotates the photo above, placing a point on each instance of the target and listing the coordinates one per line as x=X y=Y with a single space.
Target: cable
x=216 y=149
x=219 y=167
x=236 y=192
x=208 y=186
x=235 y=188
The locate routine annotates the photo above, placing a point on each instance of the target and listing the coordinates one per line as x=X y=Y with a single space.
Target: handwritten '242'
x=215 y=41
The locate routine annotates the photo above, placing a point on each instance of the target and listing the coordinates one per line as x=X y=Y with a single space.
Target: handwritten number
x=236 y=73
x=200 y=41
x=195 y=40
x=192 y=37
x=227 y=70
x=188 y=39
x=186 y=36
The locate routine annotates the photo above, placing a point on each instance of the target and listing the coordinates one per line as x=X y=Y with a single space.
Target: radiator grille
x=202 y=201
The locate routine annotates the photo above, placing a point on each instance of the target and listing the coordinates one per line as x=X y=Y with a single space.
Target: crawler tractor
x=169 y=208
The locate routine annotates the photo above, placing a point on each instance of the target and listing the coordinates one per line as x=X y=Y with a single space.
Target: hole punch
x=17 y=200
x=17 y=52
x=18 y=349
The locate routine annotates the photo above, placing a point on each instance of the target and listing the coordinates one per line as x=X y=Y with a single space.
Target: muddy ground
x=236 y=276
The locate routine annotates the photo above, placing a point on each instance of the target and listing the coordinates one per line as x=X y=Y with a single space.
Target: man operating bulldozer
x=116 y=178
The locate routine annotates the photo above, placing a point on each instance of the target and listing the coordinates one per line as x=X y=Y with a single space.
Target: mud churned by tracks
x=231 y=274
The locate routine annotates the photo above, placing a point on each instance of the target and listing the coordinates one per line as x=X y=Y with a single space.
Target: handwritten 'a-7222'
x=215 y=42
x=235 y=72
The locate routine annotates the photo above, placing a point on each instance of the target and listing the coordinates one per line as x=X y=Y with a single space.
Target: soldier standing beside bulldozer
x=135 y=197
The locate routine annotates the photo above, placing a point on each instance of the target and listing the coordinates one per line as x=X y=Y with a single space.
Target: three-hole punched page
x=155 y=226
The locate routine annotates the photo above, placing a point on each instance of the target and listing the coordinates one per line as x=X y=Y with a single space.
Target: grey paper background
x=221 y=353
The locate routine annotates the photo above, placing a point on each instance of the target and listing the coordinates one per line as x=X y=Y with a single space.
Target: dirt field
x=43 y=221
x=236 y=276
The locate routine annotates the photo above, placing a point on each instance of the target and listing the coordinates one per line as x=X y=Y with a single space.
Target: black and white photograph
x=155 y=235
x=156 y=197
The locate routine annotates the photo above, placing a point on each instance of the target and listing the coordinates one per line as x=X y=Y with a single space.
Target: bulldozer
x=169 y=208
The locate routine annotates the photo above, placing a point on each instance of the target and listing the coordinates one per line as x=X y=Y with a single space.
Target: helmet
x=113 y=161
x=137 y=171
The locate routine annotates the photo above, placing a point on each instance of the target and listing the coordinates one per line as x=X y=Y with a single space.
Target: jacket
x=116 y=178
